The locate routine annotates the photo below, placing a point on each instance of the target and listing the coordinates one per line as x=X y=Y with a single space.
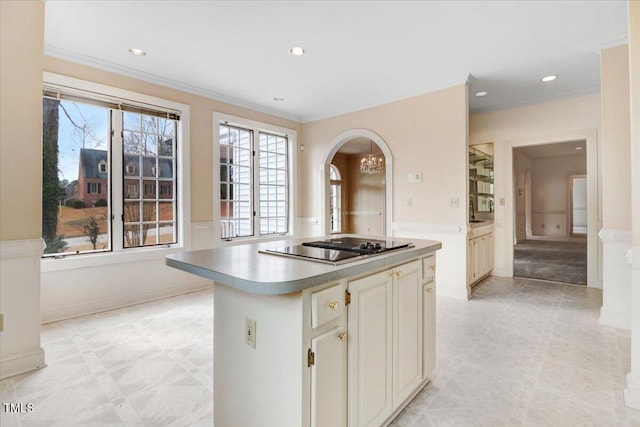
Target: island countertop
x=244 y=267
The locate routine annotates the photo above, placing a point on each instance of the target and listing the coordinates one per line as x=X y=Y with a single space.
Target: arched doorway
x=387 y=174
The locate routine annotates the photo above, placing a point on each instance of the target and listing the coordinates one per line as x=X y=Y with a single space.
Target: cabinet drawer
x=428 y=268
x=326 y=305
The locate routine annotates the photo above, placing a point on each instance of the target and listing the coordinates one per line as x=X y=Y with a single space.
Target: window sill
x=248 y=240
x=50 y=264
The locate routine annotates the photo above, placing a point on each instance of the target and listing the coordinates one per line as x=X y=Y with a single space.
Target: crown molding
x=507 y=106
x=445 y=84
x=90 y=61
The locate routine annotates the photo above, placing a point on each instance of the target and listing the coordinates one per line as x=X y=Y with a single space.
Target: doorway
x=551 y=212
x=362 y=195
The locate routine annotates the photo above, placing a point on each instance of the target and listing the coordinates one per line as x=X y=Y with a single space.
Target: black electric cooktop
x=339 y=250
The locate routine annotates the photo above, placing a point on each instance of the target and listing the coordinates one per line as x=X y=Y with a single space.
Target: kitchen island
x=303 y=343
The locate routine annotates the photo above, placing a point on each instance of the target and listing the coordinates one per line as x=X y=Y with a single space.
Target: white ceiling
x=359 y=53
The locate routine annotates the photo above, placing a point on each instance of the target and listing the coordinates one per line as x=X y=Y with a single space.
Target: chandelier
x=371 y=163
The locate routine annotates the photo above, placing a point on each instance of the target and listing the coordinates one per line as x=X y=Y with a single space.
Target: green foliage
x=101 y=203
x=92 y=230
x=50 y=182
x=55 y=245
x=74 y=203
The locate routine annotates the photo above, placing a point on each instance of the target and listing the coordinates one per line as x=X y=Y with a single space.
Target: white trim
x=183 y=178
x=162 y=81
x=615 y=318
x=423 y=227
x=292 y=137
x=445 y=84
x=511 y=105
x=364 y=213
x=591 y=138
x=49 y=264
x=19 y=363
x=334 y=146
x=611 y=235
x=102 y=304
x=21 y=248
x=632 y=392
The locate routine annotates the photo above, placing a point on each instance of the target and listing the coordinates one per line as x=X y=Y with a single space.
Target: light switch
x=415 y=177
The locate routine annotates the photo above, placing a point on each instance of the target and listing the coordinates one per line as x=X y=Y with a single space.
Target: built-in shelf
x=480 y=181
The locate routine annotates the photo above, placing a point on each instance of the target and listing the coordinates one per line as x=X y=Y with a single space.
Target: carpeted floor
x=558 y=261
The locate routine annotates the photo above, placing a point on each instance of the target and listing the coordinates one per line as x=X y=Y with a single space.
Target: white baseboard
x=632 y=392
x=105 y=304
x=616 y=319
x=19 y=363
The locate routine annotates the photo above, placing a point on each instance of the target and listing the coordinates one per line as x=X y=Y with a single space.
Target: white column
x=632 y=392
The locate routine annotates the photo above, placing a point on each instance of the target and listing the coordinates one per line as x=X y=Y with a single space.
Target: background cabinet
x=480 y=252
x=480 y=182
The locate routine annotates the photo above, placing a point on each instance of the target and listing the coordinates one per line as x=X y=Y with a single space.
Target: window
x=93 y=188
x=104 y=159
x=335 y=198
x=255 y=179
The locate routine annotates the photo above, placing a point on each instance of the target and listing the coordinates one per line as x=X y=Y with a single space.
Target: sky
x=94 y=119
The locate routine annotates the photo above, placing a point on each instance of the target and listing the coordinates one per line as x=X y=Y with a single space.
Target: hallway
x=559 y=261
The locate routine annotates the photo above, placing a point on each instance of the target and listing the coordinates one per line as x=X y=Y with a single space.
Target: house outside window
x=255 y=179
x=107 y=152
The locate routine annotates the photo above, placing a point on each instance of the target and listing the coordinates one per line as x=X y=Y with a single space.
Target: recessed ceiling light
x=482 y=93
x=578 y=148
x=278 y=99
x=549 y=78
x=137 y=52
x=296 y=51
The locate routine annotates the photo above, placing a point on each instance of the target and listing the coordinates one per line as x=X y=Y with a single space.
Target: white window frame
x=256 y=127
x=337 y=207
x=118 y=254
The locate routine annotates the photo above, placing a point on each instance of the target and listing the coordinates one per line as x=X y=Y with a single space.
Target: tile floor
x=146 y=365
x=520 y=353
x=525 y=353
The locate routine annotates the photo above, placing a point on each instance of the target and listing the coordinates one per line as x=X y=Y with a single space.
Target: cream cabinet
x=428 y=316
x=480 y=253
x=351 y=352
x=386 y=343
x=327 y=357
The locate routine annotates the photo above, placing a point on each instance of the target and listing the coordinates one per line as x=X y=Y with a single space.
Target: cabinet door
x=370 y=350
x=429 y=329
x=407 y=330
x=329 y=379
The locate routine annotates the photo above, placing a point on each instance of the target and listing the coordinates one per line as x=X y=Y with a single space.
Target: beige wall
x=426 y=134
x=201 y=136
x=551 y=197
x=342 y=163
x=21 y=50
x=616 y=151
x=366 y=198
x=533 y=124
x=21 y=119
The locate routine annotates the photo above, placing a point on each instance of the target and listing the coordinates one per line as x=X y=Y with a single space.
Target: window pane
x=153 y=221
x=273 y=183
x=236 y=213
x=75 y=177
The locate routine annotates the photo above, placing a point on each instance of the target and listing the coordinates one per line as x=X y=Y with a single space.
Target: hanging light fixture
x=371 y=163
